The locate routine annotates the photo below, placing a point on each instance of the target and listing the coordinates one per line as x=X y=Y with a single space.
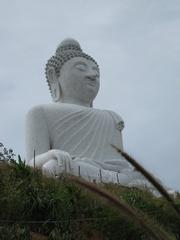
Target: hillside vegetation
x=33 y=206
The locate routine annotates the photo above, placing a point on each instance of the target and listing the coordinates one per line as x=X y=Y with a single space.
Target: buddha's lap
x=90 y=171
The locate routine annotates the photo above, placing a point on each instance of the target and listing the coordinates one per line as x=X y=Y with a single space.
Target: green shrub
x=59 y=209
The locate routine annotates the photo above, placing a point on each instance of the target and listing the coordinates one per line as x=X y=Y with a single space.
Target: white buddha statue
x=70 y=135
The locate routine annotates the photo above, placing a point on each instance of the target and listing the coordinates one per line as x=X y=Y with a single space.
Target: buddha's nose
x=92 y=76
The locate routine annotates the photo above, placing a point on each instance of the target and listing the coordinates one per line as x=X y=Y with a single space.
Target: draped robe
x=87 y=134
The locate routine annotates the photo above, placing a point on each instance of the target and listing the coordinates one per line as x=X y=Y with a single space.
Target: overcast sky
x=137 y=45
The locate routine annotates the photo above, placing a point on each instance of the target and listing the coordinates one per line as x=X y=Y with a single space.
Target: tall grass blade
x=155 y=233
x=151 y=179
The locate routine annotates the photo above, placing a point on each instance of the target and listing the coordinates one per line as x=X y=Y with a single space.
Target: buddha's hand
x=53 y=161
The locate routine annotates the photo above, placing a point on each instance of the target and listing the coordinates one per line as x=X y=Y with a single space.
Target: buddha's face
x=79 y=80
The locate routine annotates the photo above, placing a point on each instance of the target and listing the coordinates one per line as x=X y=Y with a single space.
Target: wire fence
x=58 y=221
x=66 y=220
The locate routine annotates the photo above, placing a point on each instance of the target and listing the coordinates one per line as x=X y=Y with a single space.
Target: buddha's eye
x=96 y=71
x=81 y=66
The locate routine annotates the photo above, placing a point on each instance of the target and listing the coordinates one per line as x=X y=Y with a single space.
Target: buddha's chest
x=86 y=133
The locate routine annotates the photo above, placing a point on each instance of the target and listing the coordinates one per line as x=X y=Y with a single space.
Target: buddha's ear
x=54 y=84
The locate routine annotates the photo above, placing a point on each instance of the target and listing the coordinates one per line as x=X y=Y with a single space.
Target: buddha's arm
x=38 y=140
x=37 y=136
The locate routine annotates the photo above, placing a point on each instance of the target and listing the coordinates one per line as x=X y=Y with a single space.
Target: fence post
x=79 y=171
x=100 y=175
x=70 y=170
x=34 y=163
x=117 y=177
x=65 y=167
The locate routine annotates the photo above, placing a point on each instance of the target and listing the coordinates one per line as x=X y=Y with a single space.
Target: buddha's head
x=72 y=75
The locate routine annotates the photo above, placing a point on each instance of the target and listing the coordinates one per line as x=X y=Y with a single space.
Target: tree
x=5 y=153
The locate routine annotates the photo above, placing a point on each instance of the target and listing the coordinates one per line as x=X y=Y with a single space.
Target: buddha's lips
x=92 y=84
x=91 y=81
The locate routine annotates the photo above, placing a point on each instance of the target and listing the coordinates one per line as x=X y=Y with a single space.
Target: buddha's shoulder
x=119 y=122
x=114 y=115
x=39 y=109
x=51 y=109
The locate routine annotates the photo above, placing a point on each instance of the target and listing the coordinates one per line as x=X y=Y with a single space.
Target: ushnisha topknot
x=68 y=44
x=67 y=49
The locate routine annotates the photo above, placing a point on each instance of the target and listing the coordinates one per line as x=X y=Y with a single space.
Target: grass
x=33 y=206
